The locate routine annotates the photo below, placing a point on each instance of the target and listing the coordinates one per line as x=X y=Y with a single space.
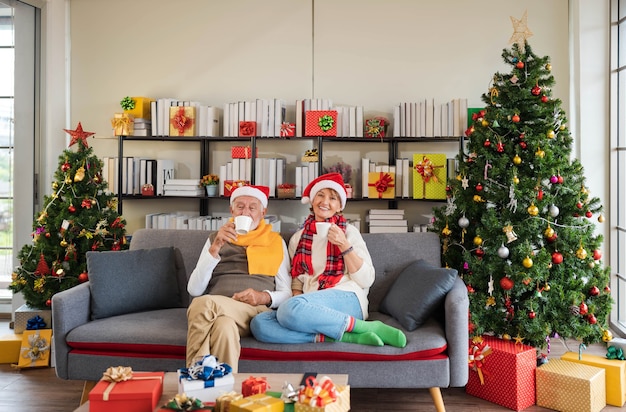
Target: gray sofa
x=435 y=356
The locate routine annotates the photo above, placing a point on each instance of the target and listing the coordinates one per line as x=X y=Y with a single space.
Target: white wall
x=372 y=53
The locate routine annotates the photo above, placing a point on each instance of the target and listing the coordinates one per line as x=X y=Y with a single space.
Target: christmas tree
x=78 y=217
x=519 y=221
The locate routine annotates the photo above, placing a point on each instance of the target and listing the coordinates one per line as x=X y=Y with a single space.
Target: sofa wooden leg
x=87 y=387
x=435 y=393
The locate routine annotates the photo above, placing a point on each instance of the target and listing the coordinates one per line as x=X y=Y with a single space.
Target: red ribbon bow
x=181 y=122
x=384 y=182
x=478 y=351
x=426 y=168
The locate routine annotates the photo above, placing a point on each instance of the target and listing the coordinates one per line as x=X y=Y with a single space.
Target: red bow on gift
x=181 y=122
x=478 y=351
x=426 y=168
x=384 y=182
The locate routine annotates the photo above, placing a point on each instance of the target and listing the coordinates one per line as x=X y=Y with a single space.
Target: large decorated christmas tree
x=79 y=216
x=519 y=224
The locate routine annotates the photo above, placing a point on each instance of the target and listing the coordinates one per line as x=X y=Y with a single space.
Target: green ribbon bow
x=325 y=123
x=127 y=103
x=614 y=352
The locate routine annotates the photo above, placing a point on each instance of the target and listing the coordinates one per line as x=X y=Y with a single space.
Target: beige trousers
x=215 y=324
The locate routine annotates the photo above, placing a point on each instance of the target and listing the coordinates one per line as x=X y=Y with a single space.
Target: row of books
x=136 y=172
x=425 y=118
x=207 y=118
x=269 y=115
x=387 y=221
x=403 y=174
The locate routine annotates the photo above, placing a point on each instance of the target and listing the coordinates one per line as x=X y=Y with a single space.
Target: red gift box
x=242 y=152
x=230 y=185
x=141 y=393
x=247 y=129
x=287 y=129
x=253 y=386
x=502 y=372
x=321 y=123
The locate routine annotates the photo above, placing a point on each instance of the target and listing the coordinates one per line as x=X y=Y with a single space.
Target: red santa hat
x=260 y=192
x=328 y=181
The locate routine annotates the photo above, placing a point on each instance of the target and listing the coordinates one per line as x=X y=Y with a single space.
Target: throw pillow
x=132 y=281
x=417 y=292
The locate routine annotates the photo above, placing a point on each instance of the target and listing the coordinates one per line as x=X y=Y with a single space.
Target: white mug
x=322 y=228
x=243 y=224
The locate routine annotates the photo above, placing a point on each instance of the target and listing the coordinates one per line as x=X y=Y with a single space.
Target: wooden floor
x=39 y=390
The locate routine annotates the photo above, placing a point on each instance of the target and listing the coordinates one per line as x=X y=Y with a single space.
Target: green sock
x=367 y=338
x=388 y=334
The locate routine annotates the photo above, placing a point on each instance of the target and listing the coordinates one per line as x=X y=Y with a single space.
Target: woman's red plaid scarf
x=302 y=263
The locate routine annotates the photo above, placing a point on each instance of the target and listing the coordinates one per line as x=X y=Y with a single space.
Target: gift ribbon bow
x=36 y=322
x=181 y=122
x=614 y=352
x=310 y=153
x=286 y=129
x=384 y=182
x=121 y=122
x=375 y=127
x=426 y=168
x=318 y=394
x=326 y=122
x=182 y=402
x=206 y=369
x=477 y=354
x=37 y=347
x=118 y=374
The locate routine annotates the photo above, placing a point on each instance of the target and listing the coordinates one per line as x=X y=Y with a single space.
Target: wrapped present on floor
x=429 y=176
x=230 y=185
x=253 y=386
x=243 y=152
x=615 y=374
x=10 y=345
x=206 y=379
x=35 y=349
x=181 y=402
x=381 y=185
x=222 y=403
x=257 y=403
x=182 y=121
x=320 y=123
x=247 y=129
x=137 y=107
x=502 y=372
x=322 y=396
x=123 y=124
x=122 y=390
x=570 y=387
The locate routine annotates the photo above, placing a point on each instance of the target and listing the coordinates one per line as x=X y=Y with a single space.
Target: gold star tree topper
x=520 y=30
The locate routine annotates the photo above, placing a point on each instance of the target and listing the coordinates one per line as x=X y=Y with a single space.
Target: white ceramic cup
x=322 y=228
x=243 y=224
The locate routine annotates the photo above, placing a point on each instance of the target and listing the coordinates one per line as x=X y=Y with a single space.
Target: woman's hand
x=337 y=237
x=225 y=234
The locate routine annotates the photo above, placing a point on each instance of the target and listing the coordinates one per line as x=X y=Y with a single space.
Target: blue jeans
x=302 y=317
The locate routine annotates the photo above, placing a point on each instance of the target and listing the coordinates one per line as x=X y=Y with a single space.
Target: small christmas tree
x=79 y=216
x=518 y=224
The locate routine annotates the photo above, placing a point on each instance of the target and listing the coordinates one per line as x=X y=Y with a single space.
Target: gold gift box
x=615 y=375
x=182 y=121
x=257 y=403
x=570 y=387
x=35 y=350
x=10 y=345
x=381 y=180
x=142 y=108
x=123 y=124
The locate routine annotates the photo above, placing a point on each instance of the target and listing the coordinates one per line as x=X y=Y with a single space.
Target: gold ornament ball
x=546 y=287
x=478 y=241
x=550 y=134
x=549 y=232
x=485 y=123
x=540 y=153
x=515 y=179
x=527 y=262
x=533 y=210
x=601 y=218
x=68 y=180
x=517 y=160
x=607 y=336
x=548 y=67
x=506 y=336
x=581 y=253
x=63 y=243
x=55 y=185
x=562 y=127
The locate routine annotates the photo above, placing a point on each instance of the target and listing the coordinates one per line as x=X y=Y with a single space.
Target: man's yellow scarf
x=264 y=249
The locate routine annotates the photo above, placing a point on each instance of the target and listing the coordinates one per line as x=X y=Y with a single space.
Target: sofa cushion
x=417 y=291
x=132 y=281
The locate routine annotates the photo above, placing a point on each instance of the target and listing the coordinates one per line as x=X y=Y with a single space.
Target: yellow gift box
x=142 y=108
x=10 y=345
x=182 y=121
x=571 y=387
x=381 y=185
x=123 y=124
x=35 y=349
x=341 y=404
x=429 y=175
x=257 y=403
x=615 y=371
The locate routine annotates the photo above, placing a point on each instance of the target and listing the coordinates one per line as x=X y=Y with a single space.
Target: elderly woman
x=331 y=276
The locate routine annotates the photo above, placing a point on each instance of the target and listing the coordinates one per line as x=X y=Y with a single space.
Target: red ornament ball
x=49 y=302
x=589 y=214
x=579 y=205
x=71 y=208
x=594 y=291
x=592 y=319
x=560 y=179
x=83 y=277
x=66 y=166
x=583 y=309
x=479 y=187
x=607 y=289
x=523 y=145
x=515 y=118
x=597 y=254
x=506 y=283
x=479 y=252
x=540 y=194
x=520 y=64
x=557 y=258
x=532 y=314
x=536 y=90
x=487 y=143
x=544 y=99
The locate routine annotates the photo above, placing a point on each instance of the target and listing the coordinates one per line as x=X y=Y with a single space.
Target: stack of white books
x=142 y=127
x=183 y=187
x=387 y=221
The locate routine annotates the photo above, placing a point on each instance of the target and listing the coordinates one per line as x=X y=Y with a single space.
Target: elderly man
x=236 y=278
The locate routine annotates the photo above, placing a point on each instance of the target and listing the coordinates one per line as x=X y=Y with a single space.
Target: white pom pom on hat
x=260 y=192
x=328 y=181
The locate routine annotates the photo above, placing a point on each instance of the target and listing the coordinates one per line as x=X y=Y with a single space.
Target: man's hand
x=253 y=297
x=225 y=234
